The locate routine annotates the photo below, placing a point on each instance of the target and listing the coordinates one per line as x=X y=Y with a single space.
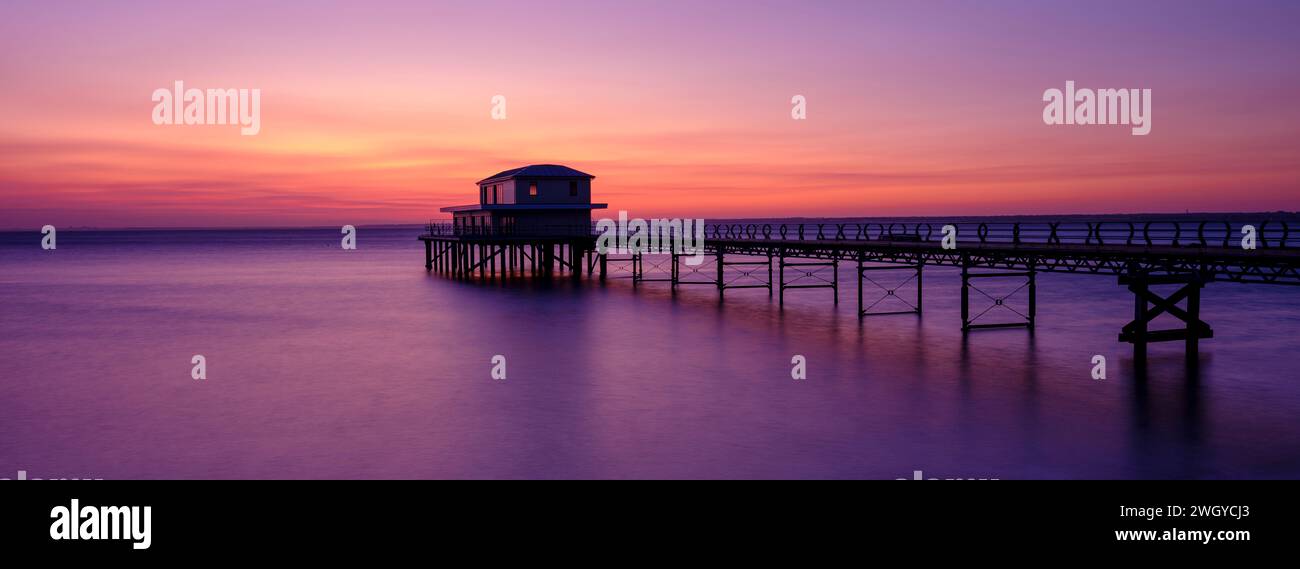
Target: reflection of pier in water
x=1182 y=254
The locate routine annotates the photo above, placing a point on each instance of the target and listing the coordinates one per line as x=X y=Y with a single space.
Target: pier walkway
x=1176 y=255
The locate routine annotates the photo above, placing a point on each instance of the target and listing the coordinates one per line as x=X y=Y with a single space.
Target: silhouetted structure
x=536 y=217
x=1143 y=254
x=542 y=199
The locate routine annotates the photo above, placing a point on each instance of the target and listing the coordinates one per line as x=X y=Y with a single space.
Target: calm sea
x=325 y=363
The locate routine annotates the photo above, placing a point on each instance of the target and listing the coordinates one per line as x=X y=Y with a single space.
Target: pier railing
x=1177 y=233
x=443 y=229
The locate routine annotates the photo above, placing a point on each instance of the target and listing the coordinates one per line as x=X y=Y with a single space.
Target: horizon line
x=717 y=219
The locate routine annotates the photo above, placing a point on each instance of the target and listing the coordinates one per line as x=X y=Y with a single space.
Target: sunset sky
x=379 y=112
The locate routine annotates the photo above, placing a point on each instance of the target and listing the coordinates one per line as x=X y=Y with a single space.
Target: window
x=495 y=199
x=573 y=189
x=532 y=189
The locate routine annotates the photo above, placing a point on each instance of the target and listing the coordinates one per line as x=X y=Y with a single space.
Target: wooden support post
x=721 y=256
x=835 y=286
x=781 y=297
x=428 y=256
x=575 y=261
x=920 y=270
x=1033 y=294
x=1139 y=288
x=769 y=273
x=965 y=293
x=602 y=266
x=860 y=310
x=1192 y=346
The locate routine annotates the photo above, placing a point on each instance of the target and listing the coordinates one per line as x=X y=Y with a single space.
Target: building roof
x=537 y=171
x=523 y=207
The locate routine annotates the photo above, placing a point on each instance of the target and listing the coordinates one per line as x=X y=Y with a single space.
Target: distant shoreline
x=1213 y=216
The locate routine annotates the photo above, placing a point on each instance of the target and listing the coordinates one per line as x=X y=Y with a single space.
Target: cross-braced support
x=684 y=273
x=619 y=267
x=717 y=274
x=596 y=260
x=810 y=272
x=890 y=293
x=656 y=262
x=1026 y=318
x=749 y=275
x=1149 y=304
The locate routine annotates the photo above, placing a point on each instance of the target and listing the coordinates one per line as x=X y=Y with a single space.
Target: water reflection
x=365 y=366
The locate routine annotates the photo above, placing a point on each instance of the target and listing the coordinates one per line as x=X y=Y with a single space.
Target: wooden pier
x=788 y=257
x=488 y=257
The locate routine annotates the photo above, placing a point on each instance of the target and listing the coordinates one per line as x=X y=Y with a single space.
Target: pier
x=781 y=258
